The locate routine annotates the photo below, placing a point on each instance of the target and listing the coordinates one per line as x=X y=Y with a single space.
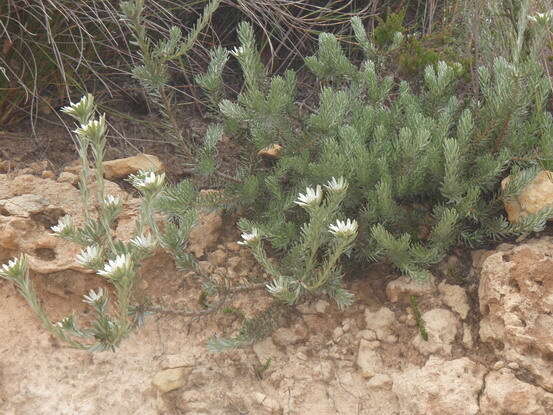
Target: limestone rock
x=206 y=234
x=455 y=298
x=30 y=206
x=505 y=394
x=439 y=388
x=534 y=197
x=369 y=361
x=67 y=177
x=381 y=323
x=24 y=205
x=169 y=379
x=119 y=168
x=516 y=303
x=442 y=326
x=402 y=288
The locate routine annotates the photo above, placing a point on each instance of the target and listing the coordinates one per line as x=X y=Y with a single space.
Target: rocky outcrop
x=516 y=302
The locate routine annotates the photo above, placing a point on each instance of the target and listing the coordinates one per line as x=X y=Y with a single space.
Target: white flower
x=63 y=224
x=112 y=201
x=82 y=109
x=343 y=228
x=93 y=129
x=337 y=185
x=12 y=268
x=93 y=297
x=249 y=238
x=310 y=197
x=543 y=18
x=147 y=180
x=144 y=241
x=88 y=255
x=117 y=267
x=237 y=51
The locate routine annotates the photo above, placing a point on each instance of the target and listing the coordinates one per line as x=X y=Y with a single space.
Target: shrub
x=424 y=167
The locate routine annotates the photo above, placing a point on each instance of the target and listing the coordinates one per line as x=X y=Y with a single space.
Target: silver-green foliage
x=424 y=165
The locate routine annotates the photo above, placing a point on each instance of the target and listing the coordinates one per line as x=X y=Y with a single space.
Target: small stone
x=441 y=326
x=337 y=333
x=369 y=361
x=205 y=234
x=321 y=306
x=533 y=197
x=268 y=402
x=67 y=177
x=120 y=168
x=455 y=298
x=401 y=289
x=513 y=365
x=169 y=379
x=217 y=258
x=272 y=151
x=24 y=205
x=289 y=336
x=381 y=323
x=380 y=381
x=500 y=364
x=48 y=174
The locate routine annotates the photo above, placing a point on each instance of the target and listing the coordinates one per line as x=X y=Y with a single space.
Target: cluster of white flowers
x=146 y=242
x=343 y=228
x=88 y=256
x=115 y=268
x=250 y=238
x=93 y=297
x=64 y=224
x=147 y=180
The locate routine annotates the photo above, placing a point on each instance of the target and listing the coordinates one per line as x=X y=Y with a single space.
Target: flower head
x=65 y=224
x=311 y=197
x=81 y=110
x=542 y=18
x=147 y=180
x=112 y=201
x=94 y=129
x=238 y=51
x=343 y=228
x=118 y=267
x=337 y=186
x=94 y=297
x=250 y=238
x=146 y=242
x=15 y=268
x=88 y=256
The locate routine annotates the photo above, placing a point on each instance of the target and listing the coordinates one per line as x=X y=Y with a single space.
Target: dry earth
x=489 y=348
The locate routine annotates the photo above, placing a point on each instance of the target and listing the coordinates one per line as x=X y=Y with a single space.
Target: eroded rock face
x=440 y=387
x=516 y=302
x=29 y=207
x=505 y=394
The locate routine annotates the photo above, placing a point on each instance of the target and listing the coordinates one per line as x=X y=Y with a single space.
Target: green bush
x=424 y=167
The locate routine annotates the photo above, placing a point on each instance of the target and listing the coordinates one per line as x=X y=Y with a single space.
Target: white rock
x=381 y=323
x=169 y=379
x=442 y=326
x=439 y=388
x=455 y=298
x=368 y=359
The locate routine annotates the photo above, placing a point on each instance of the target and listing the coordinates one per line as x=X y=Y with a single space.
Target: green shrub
x=424 y=168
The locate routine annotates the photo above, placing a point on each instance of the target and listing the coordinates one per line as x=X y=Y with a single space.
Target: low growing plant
x=116 y=261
